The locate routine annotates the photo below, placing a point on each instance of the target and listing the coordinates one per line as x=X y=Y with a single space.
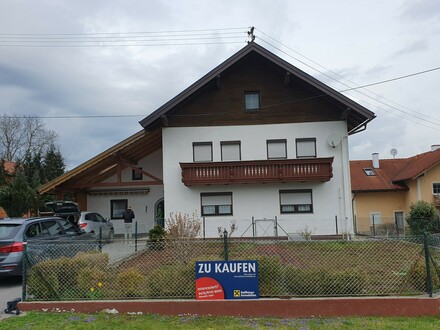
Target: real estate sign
x=227 y=279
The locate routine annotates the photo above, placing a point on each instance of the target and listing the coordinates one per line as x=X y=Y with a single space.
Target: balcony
x=257 y=171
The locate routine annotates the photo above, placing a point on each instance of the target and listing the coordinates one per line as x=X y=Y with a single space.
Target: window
x=34 y=230
x=251 y=101
x=375 y=218
x=369 y=172
x=136 y=175
x=399 y=220
x=51 y=227
x=216 y=203
x=68 y=227
x=296 y=201
x=202 y=151
x=306 y=148
x=436 y=188
x=231 y=150
x=276 y=149
x=117 y=207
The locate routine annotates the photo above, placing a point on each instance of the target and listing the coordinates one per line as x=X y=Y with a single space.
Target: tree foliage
x=19 y=197
x=422 y=218
x=23 y=136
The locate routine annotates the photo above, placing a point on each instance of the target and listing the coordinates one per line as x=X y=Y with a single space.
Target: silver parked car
x=91 y=222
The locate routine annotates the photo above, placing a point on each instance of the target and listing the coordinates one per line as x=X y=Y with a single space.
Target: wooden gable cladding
x=282 y=99
x=111 y=163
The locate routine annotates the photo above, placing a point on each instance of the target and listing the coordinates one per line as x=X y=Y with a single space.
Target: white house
x=256 y=142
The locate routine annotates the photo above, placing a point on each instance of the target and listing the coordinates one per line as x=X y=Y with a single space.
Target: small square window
x=436 y=188
x=202 y=151
x=306 y=148
x=252 y=101
x=276 y=149
x=296 y=201
x=231 y=150
x=369 y=172
x=136 y=175
x=216 y=203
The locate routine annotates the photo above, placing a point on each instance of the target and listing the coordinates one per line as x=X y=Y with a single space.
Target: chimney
x=375 y=160
x=434 y=147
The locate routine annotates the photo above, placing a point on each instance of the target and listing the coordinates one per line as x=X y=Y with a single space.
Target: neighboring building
x=384 y=189
x=255 y=138
x=9 y=168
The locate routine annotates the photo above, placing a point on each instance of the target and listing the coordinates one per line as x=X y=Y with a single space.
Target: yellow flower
x=92 y=289
x=100 y=284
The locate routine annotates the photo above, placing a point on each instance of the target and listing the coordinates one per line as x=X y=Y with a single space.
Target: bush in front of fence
x=417 y=275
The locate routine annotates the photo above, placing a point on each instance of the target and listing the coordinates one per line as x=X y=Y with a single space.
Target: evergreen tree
x=33 y=170
x=18 y=197
x=423 y=217
x=53 y=164
x=3 y=174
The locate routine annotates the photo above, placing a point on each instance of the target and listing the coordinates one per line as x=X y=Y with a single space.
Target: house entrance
x=159 y=213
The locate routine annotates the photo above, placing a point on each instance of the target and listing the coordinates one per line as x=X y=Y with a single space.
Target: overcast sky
x=61 y=58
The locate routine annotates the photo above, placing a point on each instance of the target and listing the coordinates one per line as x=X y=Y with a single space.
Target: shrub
x=131 y=283
x=172 y=281
x=269 y=271
x=349 y=282
x=417 y=276
x=423 y=218
x=183 y=226
x=156 y=238
x=302 y=282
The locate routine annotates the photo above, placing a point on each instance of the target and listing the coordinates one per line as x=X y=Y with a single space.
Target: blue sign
x=236 y=279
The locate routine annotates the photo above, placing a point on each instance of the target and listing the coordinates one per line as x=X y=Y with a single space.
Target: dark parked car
x=63 y=209
x=42 y=234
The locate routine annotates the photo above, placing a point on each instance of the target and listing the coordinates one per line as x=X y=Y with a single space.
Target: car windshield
x=8 y=230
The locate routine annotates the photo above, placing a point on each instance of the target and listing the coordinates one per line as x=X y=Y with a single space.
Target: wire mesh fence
x=166 y=269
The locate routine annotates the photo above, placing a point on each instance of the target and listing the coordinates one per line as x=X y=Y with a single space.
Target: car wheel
x=111 y=236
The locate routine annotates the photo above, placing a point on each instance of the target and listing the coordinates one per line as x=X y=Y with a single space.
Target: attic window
x=369 y=172
x=251 y=101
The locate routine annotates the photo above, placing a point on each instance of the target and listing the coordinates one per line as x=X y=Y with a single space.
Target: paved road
x=10 y=288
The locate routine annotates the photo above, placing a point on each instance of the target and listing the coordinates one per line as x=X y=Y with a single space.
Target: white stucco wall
x=139 y=203
x=330 y=199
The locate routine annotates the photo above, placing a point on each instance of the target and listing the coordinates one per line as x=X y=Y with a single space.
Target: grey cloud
x=413 y=47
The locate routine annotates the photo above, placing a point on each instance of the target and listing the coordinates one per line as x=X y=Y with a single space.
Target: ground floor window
x=216 y=203
x=436 y=188
x=117 y=207
x=296 y=201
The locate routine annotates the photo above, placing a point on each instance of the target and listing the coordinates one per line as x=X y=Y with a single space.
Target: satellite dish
x=333 y=140
x=393 y=152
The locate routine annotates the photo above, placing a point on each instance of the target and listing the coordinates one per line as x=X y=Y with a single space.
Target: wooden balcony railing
x=257 y=171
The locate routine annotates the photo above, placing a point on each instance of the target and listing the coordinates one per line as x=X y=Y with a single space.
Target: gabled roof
x=357 y=114
x=392 y=173
x=132 y=148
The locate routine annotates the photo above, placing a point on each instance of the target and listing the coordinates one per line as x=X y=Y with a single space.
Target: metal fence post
x=24 y=272
x=336 y=222
x=428 y=265
x=275 y=227
x=135 y=236
x=225 y=240
x=100 y=239
x=204 y=226
x=253 y=227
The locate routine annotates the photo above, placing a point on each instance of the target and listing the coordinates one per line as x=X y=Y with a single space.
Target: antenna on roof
x=393 y=152
x=251 y=35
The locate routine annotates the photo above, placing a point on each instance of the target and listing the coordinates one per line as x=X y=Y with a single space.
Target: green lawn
x=36 y=321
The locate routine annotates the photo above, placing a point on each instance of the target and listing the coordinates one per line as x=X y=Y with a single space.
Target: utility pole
x=251 y=35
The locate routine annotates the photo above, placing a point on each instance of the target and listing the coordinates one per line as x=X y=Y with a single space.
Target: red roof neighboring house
x=390 y=174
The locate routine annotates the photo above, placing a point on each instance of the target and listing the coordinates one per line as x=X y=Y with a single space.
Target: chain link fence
x=166 y=269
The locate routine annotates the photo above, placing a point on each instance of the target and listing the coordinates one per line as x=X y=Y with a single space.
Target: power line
x=362 y=93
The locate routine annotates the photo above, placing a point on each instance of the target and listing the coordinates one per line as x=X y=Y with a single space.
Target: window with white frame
x=216 y=203
x=251 y=101
x=436 y=188
x=306 y=148
x=296 y=201
x=375 y=218
x=202 y=151
x=276 y=149
x=231 y=150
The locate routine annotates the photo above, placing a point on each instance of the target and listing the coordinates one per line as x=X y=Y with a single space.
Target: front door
x=159 y=213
